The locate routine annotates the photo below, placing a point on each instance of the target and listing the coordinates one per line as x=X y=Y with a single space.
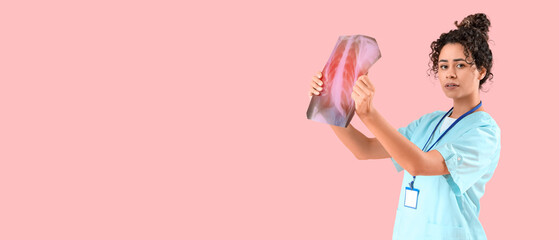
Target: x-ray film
x=351 y=58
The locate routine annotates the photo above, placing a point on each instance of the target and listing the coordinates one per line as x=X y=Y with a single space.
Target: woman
x=448 y=157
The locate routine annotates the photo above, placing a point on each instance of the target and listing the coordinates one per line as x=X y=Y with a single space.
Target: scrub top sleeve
x=407 y=132
x=469 y=157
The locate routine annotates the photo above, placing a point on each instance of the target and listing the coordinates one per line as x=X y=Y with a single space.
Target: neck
x=464 y=105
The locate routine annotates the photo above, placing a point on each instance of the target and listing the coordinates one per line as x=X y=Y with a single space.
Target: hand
x=363 y=92
x=316 y=85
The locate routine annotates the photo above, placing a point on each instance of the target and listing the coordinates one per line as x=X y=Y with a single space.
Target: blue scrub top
x=448 y=205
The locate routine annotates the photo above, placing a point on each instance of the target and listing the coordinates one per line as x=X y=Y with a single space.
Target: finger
x=364 y=90
x=317 y=81
x=369 y=84
x=360 y=84
x=355 y=97
x=319 y=75
x=315 y=92
x=359 y=91
x=316 y=87
x=365 y=80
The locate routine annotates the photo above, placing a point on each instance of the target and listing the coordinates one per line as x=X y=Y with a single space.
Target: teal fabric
x=448 y=205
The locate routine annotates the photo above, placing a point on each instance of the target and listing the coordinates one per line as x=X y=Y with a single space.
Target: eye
x=460 y=65
x=443 y=66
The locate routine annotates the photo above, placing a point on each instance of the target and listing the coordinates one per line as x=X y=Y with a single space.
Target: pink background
x=172 y=120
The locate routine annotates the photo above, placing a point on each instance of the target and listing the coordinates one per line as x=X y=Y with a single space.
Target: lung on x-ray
x=352 y=57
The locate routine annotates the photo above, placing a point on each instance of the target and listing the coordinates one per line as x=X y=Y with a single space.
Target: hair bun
x=478 y=21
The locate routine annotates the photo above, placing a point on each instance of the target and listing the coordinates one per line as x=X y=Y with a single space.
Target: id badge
x=410 y=199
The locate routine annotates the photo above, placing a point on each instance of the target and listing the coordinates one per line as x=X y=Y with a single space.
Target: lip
x=451 y=86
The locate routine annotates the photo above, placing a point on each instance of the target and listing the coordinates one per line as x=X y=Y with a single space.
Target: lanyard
x=454 y=123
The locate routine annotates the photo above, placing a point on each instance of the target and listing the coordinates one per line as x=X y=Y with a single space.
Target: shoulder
x=482 y=119
x=474 y=120
x=477 y=120
x=480 y=127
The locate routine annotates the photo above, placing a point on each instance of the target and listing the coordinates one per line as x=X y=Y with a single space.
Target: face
x=458 y=78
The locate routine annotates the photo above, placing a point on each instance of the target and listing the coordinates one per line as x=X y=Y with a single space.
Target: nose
x=451 y=74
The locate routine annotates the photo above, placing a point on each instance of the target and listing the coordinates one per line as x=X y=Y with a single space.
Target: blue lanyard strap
x=448 y=129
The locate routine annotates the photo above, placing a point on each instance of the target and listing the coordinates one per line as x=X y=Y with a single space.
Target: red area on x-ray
x=352 y=57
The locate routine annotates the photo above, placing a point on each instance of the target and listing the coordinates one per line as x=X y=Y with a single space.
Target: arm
x=404 y=152
x=361 y=146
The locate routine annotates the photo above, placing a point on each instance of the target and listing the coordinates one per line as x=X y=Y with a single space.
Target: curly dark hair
x=472 y=35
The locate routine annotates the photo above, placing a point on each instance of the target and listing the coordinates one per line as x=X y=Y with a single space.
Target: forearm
x=406 y=153
x=360 y=145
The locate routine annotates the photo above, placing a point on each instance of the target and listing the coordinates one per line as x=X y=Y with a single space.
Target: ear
x=482 y=73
